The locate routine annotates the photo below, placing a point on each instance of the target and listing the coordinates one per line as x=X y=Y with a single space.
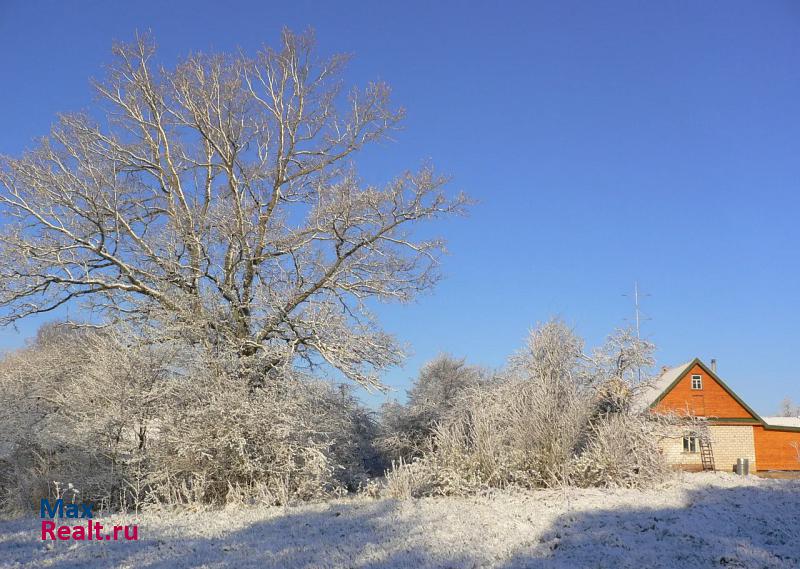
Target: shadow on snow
x=718 y=527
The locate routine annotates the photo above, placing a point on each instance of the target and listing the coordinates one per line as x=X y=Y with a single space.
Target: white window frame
x=691 y=444
x=697 y=382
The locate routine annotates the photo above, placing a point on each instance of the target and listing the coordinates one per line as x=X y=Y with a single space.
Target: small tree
x=788 y=408
x=439 y=385
x=435 y=392
x=624 y=356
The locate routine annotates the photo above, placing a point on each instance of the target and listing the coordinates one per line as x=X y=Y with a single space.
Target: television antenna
x=639 y=317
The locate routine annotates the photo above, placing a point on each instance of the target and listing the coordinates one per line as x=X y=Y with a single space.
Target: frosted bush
x=622 y=451
x=556 y=417
x=135 y=422
x=409 y=480
x=296 y=440
x=406 y=430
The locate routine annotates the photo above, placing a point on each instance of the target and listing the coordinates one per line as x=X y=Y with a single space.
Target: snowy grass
x=698 y=520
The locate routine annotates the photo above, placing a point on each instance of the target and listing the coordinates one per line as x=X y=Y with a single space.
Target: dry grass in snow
x=699 y=520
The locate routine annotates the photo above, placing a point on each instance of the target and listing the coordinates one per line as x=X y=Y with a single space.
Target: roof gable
x=716 y=399
x=650 y=393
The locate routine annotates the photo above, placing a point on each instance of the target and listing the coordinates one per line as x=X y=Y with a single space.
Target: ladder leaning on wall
x=706 y=453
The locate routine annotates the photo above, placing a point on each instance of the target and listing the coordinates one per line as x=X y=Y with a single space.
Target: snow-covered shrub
x=557 y=417
x=130 y=421
x=406 y=429
x=504 y=437
x=622 y=451
x=77 y=407
x=40 y=448
x=410 y=480
x=524 y=430
x=297 y=439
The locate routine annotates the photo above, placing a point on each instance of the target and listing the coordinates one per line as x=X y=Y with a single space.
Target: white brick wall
x=672 y=446
x=728 y=442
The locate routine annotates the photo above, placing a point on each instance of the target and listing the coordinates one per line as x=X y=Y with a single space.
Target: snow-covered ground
x=699 y=520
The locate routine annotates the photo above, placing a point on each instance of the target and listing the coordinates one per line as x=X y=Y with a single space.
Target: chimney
x=714 y=365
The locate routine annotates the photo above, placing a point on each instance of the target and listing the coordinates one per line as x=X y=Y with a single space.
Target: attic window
x=697 y=382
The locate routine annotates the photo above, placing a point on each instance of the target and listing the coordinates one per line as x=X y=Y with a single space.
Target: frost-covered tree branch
x=221 y=194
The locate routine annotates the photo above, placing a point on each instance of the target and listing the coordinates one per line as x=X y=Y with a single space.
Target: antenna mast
x=636 y=306
x=637 y=309
x=638 y=318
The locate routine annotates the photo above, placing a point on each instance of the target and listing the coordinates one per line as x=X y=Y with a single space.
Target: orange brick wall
x=774 y=449
x=711 y=401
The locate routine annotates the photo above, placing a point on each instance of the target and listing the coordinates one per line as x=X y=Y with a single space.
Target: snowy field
x=699 y=520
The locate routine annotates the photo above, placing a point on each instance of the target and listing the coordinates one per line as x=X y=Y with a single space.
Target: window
x=689 y=443
x=697 y=382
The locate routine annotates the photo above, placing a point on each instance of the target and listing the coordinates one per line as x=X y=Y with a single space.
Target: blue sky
x=606 y=143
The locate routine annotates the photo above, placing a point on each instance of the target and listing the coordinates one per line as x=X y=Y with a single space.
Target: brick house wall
x=672 y=447
x=728 y=443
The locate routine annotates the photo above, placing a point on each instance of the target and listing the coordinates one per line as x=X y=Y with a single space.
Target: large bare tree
x=221 y=195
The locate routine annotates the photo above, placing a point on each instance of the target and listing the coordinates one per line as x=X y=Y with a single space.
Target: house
x=734 y=430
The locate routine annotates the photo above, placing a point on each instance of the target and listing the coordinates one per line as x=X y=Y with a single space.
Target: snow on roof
x=782 y=421
x=647 y=393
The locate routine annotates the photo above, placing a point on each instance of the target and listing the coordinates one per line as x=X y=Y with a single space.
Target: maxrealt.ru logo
x=79 y=532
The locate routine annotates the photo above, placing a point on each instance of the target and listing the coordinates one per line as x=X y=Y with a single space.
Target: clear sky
x=606 y=143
